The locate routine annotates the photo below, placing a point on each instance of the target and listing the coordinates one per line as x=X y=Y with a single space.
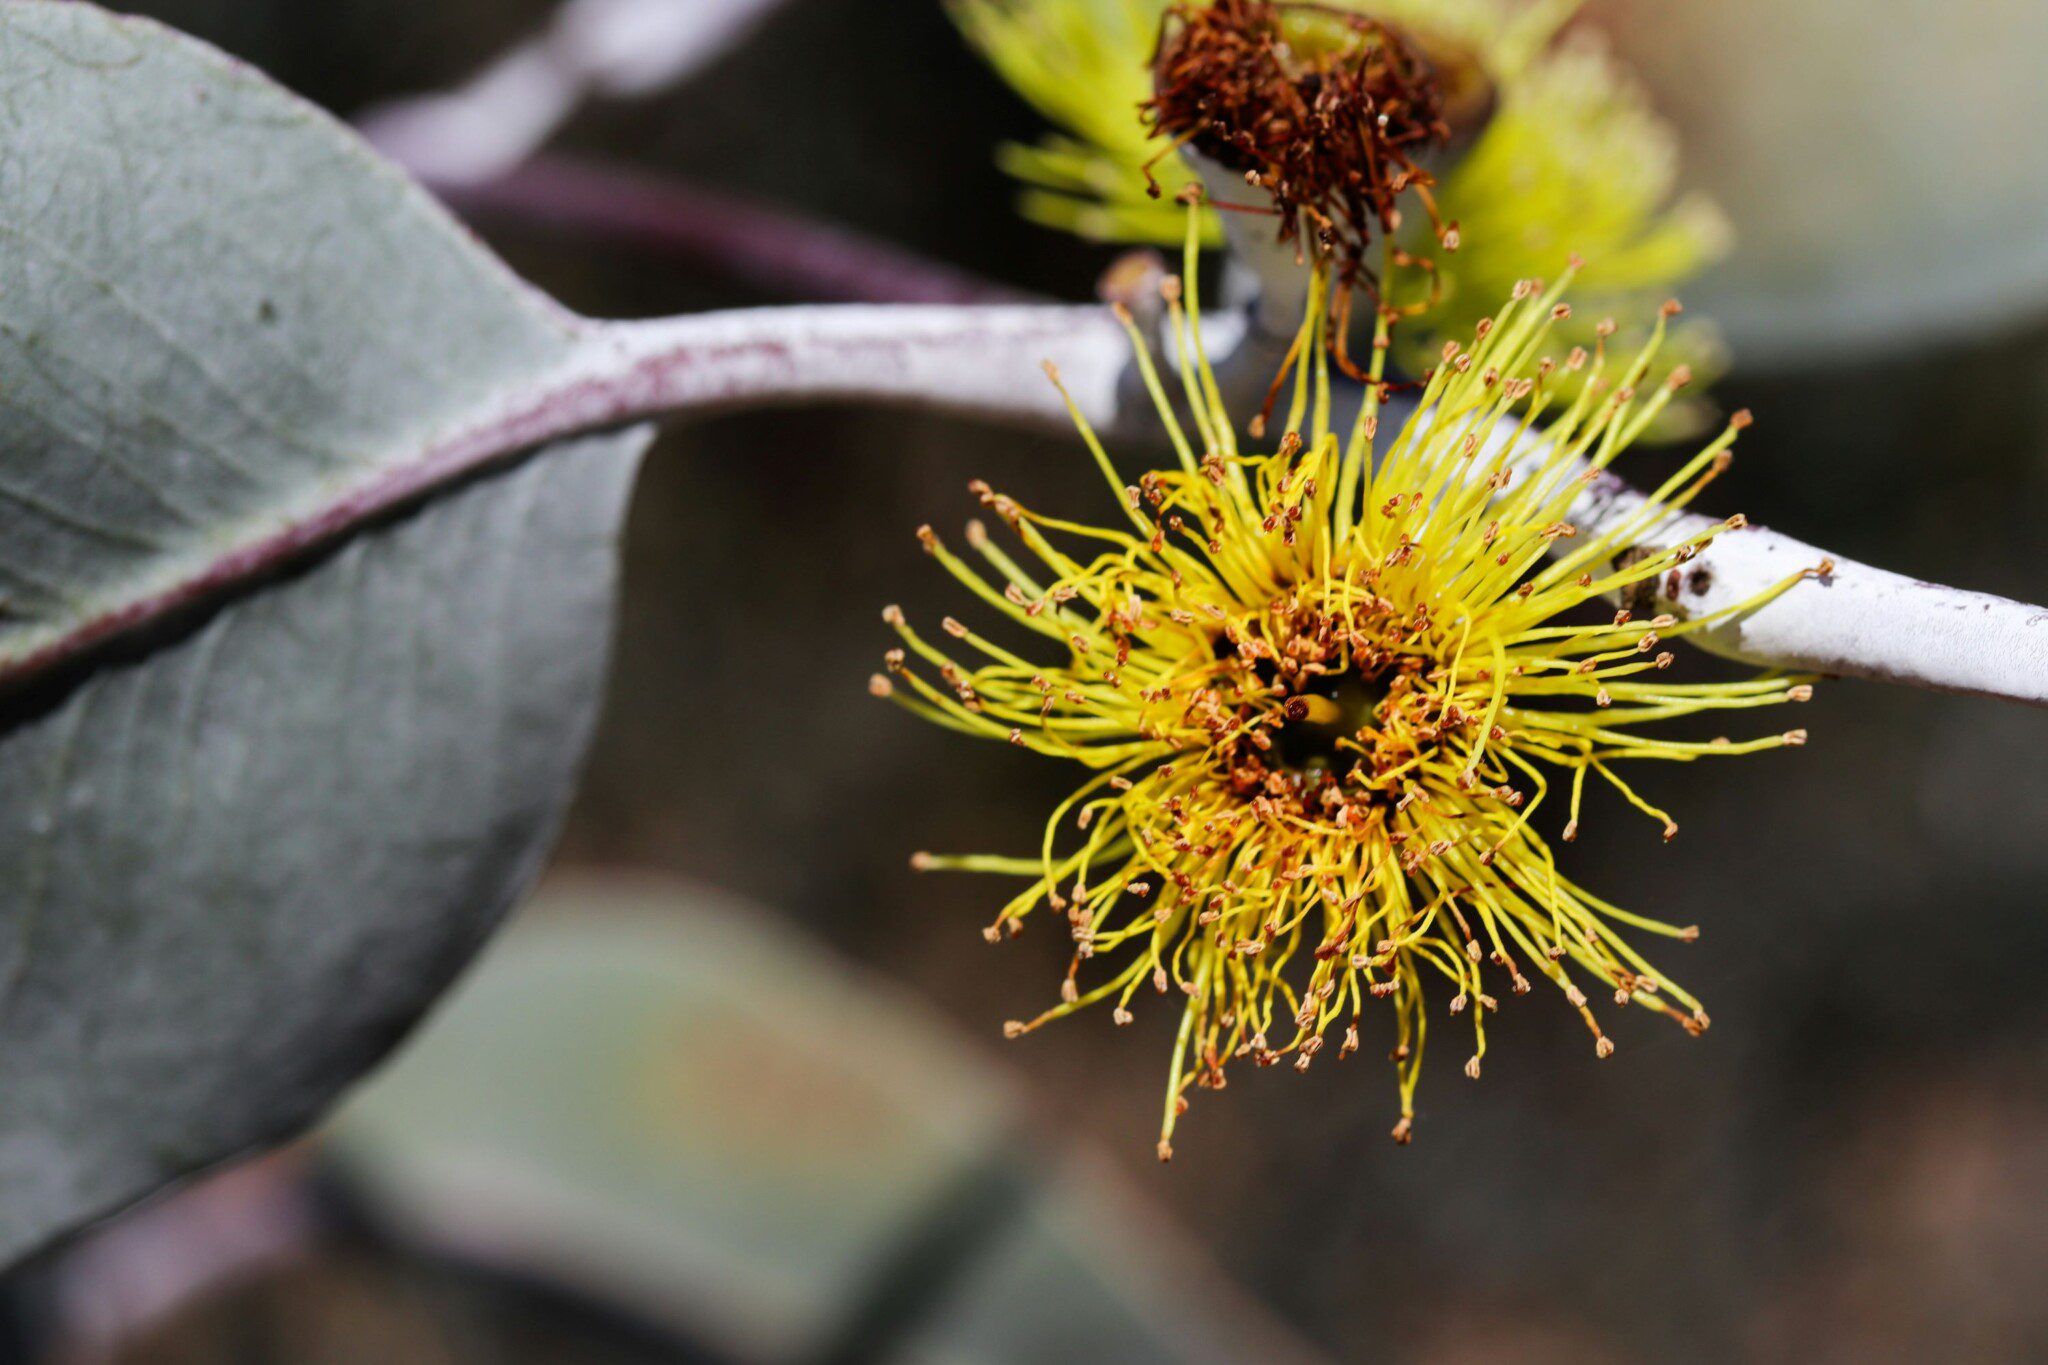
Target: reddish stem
x=782 y=253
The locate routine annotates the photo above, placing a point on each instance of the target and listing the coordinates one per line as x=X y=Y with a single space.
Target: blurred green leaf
x=1876 y=157
x=668 y=1102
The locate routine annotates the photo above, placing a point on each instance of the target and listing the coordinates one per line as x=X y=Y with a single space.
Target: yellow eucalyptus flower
x=1323 y=691
x=1572 y=158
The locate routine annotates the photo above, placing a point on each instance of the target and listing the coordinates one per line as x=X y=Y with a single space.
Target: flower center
x=1329 y=710
x=1324 y=720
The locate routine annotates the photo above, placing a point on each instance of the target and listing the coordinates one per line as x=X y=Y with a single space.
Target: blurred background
x=734 y=1089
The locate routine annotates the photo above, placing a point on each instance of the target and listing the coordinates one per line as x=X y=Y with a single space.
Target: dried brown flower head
x=1331 y=113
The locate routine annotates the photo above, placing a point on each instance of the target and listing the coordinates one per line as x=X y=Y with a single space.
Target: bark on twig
x=985 y=362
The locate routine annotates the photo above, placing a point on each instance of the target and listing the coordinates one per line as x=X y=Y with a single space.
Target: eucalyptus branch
x=506 y=112
x=784 y=254
x=974 y=360
x=986 y=362
x=983 y=361
x=1855 y=620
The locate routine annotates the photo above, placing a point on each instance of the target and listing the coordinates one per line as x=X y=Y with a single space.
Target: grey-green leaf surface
x=269 y=772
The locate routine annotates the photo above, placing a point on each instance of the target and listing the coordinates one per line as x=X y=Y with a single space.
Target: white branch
x=1857 y=620
x=975 y=360
x=986 y=361
x=980 y=360
x=592 y=47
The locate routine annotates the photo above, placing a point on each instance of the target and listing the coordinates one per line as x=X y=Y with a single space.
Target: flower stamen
x=1324 y=693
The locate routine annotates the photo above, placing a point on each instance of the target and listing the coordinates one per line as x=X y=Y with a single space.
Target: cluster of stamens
x=1322 y=691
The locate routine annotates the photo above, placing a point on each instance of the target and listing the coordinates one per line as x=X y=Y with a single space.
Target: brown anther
x=1331 y=135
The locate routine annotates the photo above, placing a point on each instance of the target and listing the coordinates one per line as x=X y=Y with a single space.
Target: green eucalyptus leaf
x=289 y=712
